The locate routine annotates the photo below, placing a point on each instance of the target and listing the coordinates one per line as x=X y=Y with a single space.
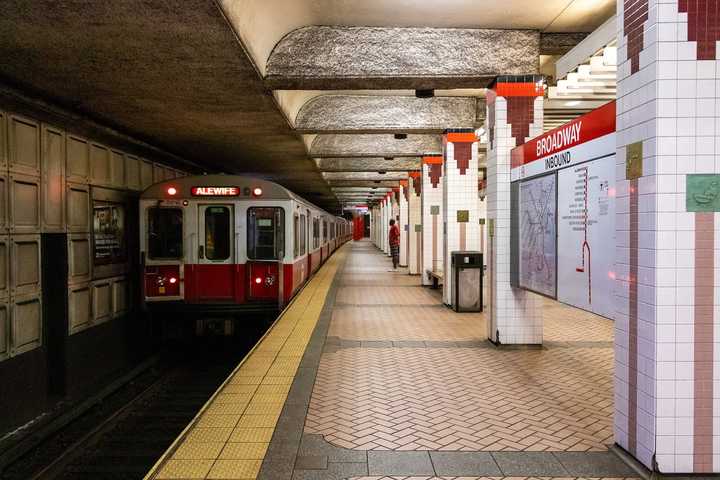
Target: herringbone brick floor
x=451 y=396
x=490 y=478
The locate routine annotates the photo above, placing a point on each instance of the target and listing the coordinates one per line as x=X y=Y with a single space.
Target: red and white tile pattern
x=515 y=315
x=667 y=403
x=432 y=216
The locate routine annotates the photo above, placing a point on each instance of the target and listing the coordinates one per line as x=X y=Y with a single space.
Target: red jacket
x=394 y=235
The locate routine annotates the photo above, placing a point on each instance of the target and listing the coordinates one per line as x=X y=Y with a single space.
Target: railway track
x=123 y=436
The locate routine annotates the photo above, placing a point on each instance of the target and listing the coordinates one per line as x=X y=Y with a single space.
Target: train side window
x=165 y=233
x=316 y=233
x=303 y=235
x=325 y=235
x=266 y=233
x=296 y=232
x=217 y=233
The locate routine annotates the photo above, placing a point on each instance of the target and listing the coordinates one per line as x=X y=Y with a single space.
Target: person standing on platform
x=394 y=242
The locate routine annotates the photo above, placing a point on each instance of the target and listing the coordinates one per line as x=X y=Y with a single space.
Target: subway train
x=215 y=245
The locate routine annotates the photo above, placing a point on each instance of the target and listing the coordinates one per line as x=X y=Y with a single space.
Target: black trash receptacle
x=467 y=284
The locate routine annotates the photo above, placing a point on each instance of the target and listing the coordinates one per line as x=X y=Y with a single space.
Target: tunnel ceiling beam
x=368 y=145
x=552 y=43
x=400 y=164
x=349 y=57
x=382 y=114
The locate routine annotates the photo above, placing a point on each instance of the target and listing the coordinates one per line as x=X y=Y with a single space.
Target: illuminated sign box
x=215 y=191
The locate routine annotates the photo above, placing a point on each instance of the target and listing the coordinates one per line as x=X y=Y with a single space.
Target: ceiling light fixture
x=400 y=136
x=572 y=103
x=382 y=172
x=389 y=158
x=425 y=93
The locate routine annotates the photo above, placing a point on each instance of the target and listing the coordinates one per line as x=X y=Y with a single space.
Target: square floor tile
x=399 y=463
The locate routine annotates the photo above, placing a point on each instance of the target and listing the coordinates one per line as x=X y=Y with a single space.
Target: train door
x=215 y=273
x=308 y=240
x=266 y=249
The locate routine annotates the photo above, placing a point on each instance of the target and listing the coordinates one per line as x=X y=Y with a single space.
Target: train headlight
x=173 y=280
x=258 y=280
x=172 y=191
x=257 y=191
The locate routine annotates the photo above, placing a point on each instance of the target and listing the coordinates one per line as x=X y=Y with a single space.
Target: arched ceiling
x=261 y=24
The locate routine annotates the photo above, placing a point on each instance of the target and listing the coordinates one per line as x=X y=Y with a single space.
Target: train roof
x=244 y=185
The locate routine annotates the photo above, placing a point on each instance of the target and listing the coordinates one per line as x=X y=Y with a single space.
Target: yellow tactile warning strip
x=230 y=435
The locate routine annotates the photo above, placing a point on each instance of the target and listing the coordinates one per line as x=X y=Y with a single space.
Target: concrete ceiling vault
x=368 y=164
x=365 y=145
x=383 y=114
x=333 y=57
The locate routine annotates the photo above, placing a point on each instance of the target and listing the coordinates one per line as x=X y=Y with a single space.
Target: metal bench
x=436 y=277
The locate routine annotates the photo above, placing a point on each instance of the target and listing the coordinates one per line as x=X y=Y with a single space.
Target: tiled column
x=432 y=216
x=415 y=223
x=404 y=229
x=482 y=214
x=460 y=193
x=385 y=227
x=394 y=210
x=667 y=325
x=514 y=115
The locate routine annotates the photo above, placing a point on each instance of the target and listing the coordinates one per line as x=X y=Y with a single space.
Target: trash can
x=467 y=274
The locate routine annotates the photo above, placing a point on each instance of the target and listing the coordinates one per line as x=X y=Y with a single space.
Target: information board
x=586 y=235
x=537 y=231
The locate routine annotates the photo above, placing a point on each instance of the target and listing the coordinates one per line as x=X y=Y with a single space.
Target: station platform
x=366 y=375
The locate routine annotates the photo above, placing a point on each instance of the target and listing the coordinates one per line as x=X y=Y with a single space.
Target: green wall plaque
x=482 y=221
x=463 y=216
x=702 y=193
x=434 y=210
x=634 y=160
x=418 y=228
x=491 y=227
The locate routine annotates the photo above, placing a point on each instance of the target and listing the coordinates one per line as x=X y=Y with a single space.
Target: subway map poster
x=537 y=231
x=586 y=235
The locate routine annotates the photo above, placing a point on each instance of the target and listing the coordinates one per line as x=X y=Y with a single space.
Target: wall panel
x=53 y=179
x=3 y=141
x=4 y=266
x=78 y=208
x=158 y=173
x=146 y=174
x=25 y=264
x=99 y=165
x=24 y=204
x=78 y=160
x=4 y=329
x=102 y=301
x=117 y=169
x=79 y=258
x=132 y=172
x=4 y=225
x=24 y=143
x=79 y=310
x=26 y=323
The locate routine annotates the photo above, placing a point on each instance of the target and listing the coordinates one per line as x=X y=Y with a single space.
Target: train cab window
x=217 y=233
x=165 y=233
x=266 y=233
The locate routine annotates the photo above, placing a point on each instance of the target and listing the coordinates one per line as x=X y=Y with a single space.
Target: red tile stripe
x=519 y=89
x=703 y=341
x=463 y=154
x=635 y=13
x=703 y=25
x=633 y=319
x=520 y=114
x=435 y=172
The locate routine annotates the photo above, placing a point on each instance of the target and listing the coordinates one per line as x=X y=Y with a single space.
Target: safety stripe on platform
x=229 y=436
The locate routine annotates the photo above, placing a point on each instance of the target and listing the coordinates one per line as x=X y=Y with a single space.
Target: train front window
x=165 y=233
x=217 y=233
x=266 y=233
